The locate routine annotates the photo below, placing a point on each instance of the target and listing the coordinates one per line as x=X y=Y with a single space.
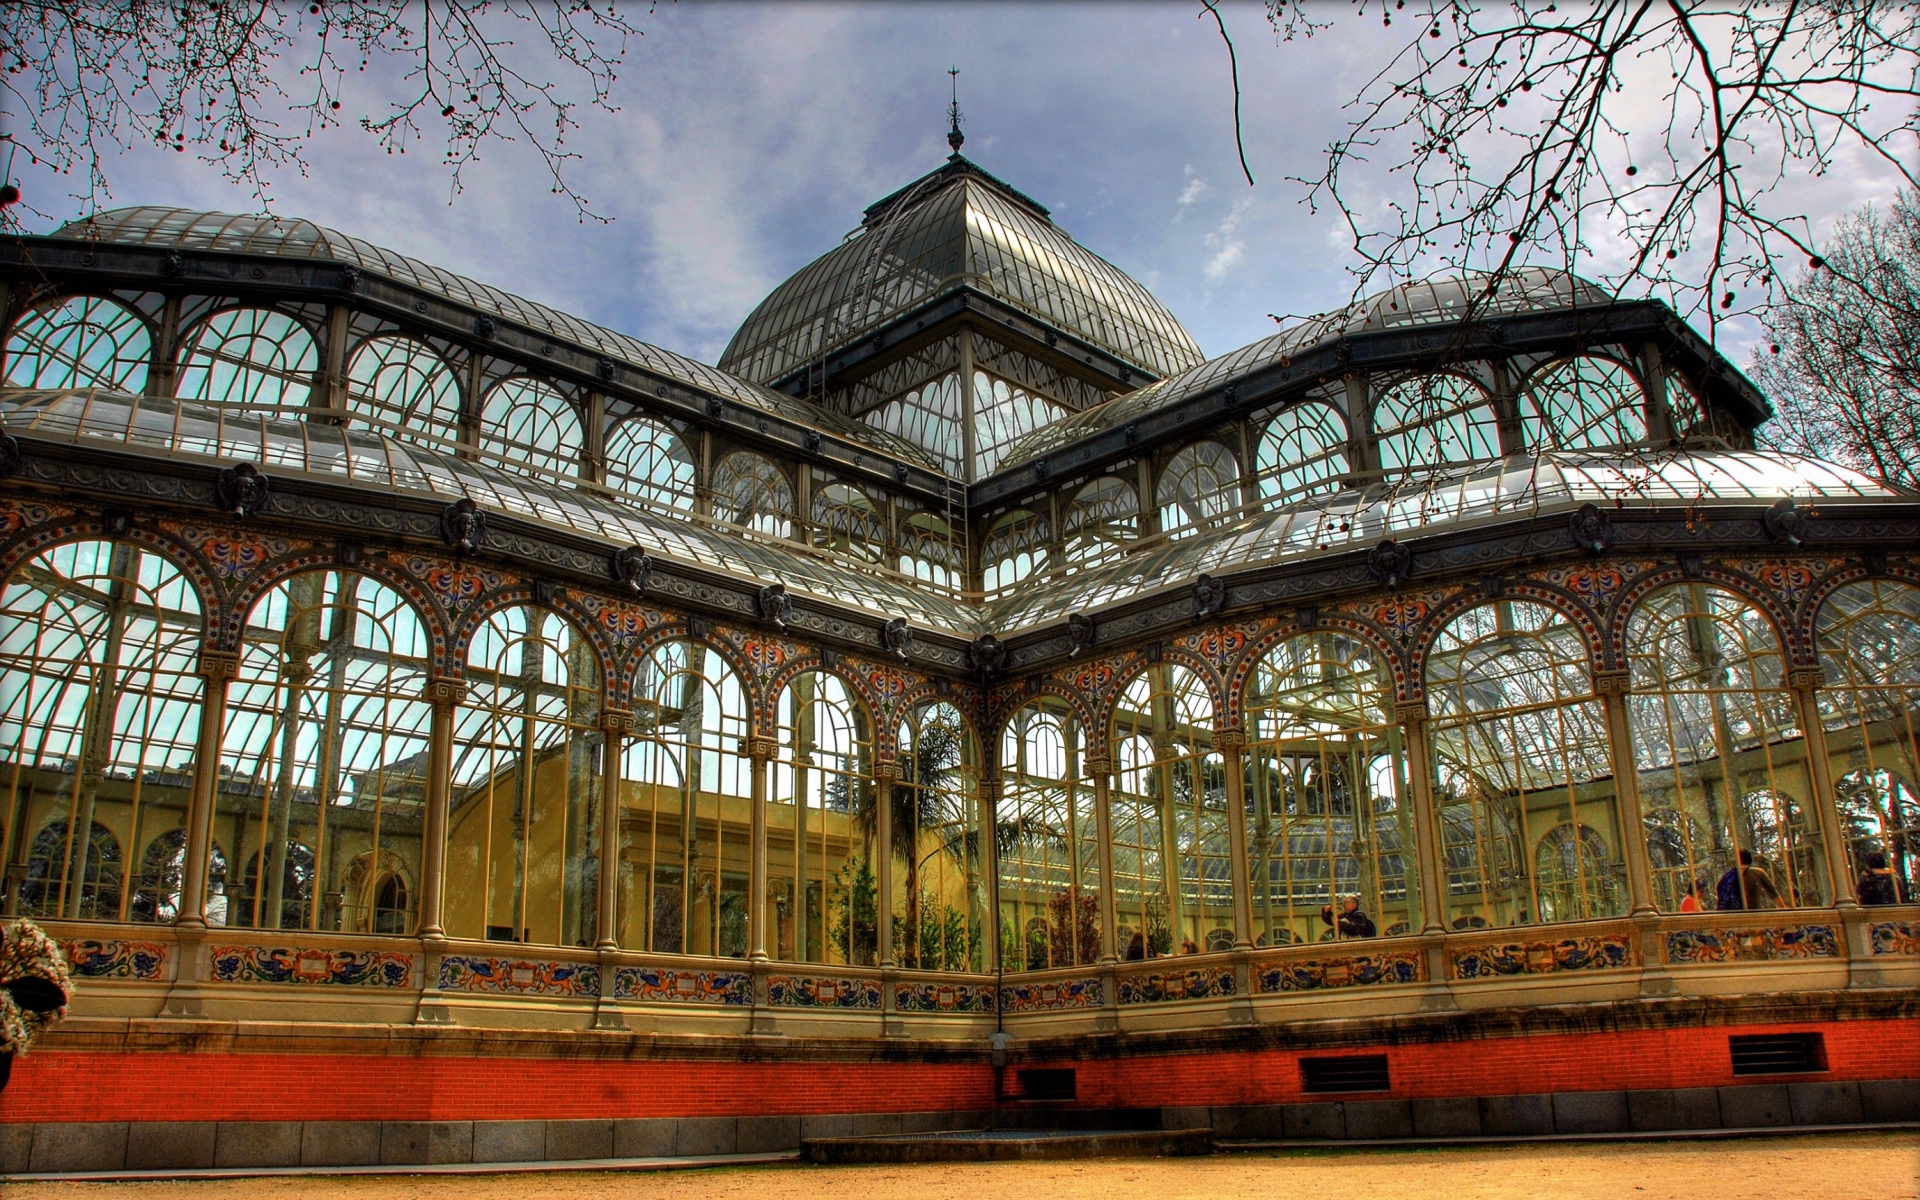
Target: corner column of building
x=885 y=770
x=444 y=693
x=1806 y=683
x=989 y=820
x=1101 y=768
x=1232 y=745
x=217 y=669
x=615 y=724
x=760 y=755
x=1412 y=717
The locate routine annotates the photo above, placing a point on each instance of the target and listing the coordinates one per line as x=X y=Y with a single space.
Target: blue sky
x=751 y=136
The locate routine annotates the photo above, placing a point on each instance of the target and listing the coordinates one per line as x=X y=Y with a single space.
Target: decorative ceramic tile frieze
x=1158 y=987
x=1352 y=970
x=515 y=976
x=115 y=959
x=667 y=985
x=1752 y=945
x=1598 y=952
x=821 y=991
x=1053 y=994
x=287 y=964
x=1895 y=937
x=943 y=997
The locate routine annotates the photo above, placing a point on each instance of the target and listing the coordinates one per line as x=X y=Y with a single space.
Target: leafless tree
x=246 y=84
x=1844 y=367
x=1654 y=146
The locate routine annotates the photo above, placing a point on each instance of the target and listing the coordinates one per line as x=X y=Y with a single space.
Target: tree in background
x=1844 y=368
x=246 y=84
x=1660 y=146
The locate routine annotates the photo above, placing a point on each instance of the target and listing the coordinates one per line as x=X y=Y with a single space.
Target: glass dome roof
x=294 y=237
x=1420 y=302
x=956 y=225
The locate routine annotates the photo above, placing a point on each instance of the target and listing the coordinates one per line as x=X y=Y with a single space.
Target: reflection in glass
x=408 y=389
x=1582 y=403
x=939 y=902
x=646 y=458
x=1869 y=636
x=749 y=490
x=530 y=427
x=1302 y=452
x=823 y=899
x=1046 y=839
x=1434 y=419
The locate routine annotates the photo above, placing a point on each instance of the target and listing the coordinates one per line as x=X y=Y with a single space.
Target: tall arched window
x=1519 y=746
x=747 y=489
x=80 y=342
x=1328 y=815
x=1172 y=878
x=1869 y=635
x=1582 y=403
x=1047 y=840
x=1103 y=517
x=1003 y=413
x=685 y=807
x=646 y=458
x=927 y=549
x=1302 y=452
x=324 y=758
x=99 y=717
x=163 y=869
x=929 y=417
x=846 y=519
x=1722 y=759
x=1201 y=482
x=1015 y=548
x=530 y=428
x=823 y=902
x=408 y=389
x=523 y=840
x=939 y=903
x=248 y=356
x=1432 y=420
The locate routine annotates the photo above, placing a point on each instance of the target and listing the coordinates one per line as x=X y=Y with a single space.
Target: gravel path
x=1837 y=1167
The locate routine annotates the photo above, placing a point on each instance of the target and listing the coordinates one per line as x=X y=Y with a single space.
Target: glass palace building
x=441 y=728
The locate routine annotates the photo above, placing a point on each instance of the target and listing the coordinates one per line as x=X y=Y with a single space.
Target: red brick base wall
x=76 y=1086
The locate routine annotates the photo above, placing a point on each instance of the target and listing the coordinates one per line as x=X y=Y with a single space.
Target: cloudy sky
x=750 y=137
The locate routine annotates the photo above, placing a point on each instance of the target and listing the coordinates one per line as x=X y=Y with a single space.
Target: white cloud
x=1190 y=195
x=1225 y=242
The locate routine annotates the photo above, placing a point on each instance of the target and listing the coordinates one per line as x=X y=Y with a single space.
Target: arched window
x=99 y=714
x=248 y=356
x=324 y=758
x=67 y=879
x=1015 y=547
x=1302 y=452
x=823 y=900
x=530 y=428
x=163 y=869
x=1869 y=635
x=1103 y=517
x=1432 y=420
x=1172 y=878
x=523 y=837
x=686 y=791
x=1519 y=746
x=1719 y=747
x=929 y=417
x=646 y=458
x=1328 y=815
x=80 y=342
x=1047 y=841
x=749 y=490
x=939 y=852
x=846 y=519
x=928 y=550
x=1200 y=483
x=1684 y=410
x=1582 y=403
x=1003 y=413
x=406 y=388
x=392 y=905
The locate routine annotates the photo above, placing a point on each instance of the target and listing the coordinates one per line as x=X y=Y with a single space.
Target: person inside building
x=1746 y=886
x=1353 y=923
x=1876 y=884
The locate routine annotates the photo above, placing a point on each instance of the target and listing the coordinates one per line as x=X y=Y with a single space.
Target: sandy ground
x=1839 y=1167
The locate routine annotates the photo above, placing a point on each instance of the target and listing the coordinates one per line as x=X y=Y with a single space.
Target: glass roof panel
x=292 y=237
x=290 y=444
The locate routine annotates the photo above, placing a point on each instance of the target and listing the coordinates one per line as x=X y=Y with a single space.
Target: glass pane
x=1046 y=837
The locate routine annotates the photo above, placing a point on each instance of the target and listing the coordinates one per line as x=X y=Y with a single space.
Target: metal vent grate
x=1348 y=1073
x=1777 y=1053
x=1046 y=1083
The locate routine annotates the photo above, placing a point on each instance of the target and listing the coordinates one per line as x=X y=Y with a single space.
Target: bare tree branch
x=1653 y=146
x=1233 y=64
x=85 y=78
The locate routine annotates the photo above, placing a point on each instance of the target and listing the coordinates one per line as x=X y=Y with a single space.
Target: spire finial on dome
x=954 y=137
